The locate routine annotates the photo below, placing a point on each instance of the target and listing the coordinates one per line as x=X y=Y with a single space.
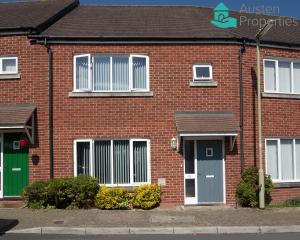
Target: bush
x=75 y=192
x=248 y=188
x=113 y=198
x=146 y=196
x=35 y=195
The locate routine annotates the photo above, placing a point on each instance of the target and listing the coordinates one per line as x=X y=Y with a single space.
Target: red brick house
x=135 y=95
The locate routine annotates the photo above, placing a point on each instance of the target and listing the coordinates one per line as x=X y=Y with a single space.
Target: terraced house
x=145 y=94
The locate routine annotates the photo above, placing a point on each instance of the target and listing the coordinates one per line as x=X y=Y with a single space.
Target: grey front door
x=210 y=171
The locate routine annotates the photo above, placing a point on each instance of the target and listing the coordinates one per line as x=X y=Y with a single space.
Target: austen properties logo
x=222 y=18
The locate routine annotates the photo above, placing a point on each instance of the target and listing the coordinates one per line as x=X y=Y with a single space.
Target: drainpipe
x=50 y=108
x=241 y=52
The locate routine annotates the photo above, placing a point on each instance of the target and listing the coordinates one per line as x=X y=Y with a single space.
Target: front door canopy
x=19 y=118
x=198 y=124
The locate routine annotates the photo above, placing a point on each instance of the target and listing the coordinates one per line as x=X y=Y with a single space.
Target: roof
x=206 y=123
x=15 y=116
x=163 y=22
x=25 y=16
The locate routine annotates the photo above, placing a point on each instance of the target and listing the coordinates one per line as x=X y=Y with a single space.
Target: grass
x=287 y=204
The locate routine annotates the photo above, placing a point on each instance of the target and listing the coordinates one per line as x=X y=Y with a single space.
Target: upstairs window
x=8 y=65
x=103 y=73
x=282 y=76
x=202 y=72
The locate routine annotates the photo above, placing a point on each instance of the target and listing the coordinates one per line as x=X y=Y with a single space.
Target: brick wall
x=146 y=117
x=31 y=88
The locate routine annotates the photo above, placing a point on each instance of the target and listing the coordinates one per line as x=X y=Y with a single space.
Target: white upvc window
x=111 y=73
x=113 y=162
x=282 y=76
x=8 y=65
x=283 y=159
x=202 y=72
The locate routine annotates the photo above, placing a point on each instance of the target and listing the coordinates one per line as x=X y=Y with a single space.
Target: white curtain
x=139 y=74
x=82 y=77
x=287 y=168
x=140 y=161
x=101 y=73
x=272 y=159
x=103 y=161
x=297 y=77
x=120 y=73
x=284 y=76
x=270 y=76
x=9 y=65
x=121 y=162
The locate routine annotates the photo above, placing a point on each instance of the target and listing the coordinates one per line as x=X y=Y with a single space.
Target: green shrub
x=71 y=193
x=248 y=188
x=146 y=196
x=35 y=195
x=113 y=198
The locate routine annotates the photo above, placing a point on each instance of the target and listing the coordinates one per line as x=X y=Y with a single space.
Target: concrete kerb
x=158 y=230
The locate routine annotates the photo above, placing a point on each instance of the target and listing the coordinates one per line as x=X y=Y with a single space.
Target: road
x=285 y=236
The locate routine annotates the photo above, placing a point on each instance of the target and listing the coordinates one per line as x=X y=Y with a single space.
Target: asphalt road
x=285 y=236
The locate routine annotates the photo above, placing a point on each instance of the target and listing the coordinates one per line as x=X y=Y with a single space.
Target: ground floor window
x=113 y=162
x=283 y=159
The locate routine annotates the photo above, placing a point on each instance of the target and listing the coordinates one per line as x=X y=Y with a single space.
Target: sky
x=290 y=8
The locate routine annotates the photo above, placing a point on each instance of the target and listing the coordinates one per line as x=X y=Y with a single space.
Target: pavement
x=191 y=220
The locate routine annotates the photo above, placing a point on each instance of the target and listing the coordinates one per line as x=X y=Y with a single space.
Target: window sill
x=210 y=83
x=281 y=95
x=111 y=94
x=287 y=185
x=9 y=76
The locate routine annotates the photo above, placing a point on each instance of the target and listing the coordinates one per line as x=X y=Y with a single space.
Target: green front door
x=15 y=163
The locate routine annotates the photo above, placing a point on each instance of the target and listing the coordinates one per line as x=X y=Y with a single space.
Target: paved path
x=16 y=219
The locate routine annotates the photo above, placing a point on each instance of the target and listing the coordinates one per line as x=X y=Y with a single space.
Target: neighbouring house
x=141 y=94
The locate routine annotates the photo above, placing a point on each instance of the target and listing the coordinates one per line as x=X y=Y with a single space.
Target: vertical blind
x=121 y=162
x=83 y=158
x=82 y=72
x=114 y=161
x=287 y=157
x=101 y=73
x=284 y=76
x=102 y=161
x=111 y=73
x=283 y=159
x=140 y=161
x=120 y=73
x=270 y=75
x=272 y=159
x=296 y=76
x=139 y=74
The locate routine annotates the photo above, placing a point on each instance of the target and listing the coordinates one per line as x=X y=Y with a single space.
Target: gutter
x=241 y=52
x=75 y=40
x=50 y=108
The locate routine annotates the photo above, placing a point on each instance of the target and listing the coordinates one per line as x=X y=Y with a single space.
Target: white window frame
x=90 y=74
x=92 y=170
x=8 y=72
x=279 y=164
x=291 y=61
x=202 y=78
